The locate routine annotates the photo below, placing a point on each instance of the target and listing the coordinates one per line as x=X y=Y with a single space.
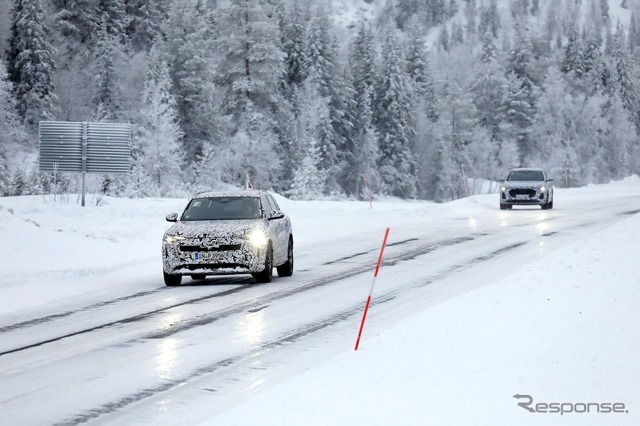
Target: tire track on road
x=254 y=304
x=290 y=337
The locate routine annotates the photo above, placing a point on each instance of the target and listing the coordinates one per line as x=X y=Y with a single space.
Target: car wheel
x=198 y=276
x=503 y=206
x=266 y=275
x=172 y=280
x=551 y=204
x=286 y=269
x=544 y=206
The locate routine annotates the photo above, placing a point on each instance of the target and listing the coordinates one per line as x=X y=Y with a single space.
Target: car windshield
x=223 y=208
x=525 y=175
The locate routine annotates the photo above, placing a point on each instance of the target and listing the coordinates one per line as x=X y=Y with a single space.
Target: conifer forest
x=318 y=99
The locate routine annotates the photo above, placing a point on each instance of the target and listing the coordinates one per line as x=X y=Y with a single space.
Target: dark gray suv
x=526 y=187
x=233 y=232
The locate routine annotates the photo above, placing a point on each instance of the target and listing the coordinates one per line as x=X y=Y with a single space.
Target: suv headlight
x=543 y=188
x=257 y=238
x=170 y=239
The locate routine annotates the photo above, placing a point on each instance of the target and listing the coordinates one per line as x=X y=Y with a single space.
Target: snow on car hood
x=214 y=228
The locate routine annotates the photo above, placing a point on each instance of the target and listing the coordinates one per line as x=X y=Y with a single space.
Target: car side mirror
x=172 y=217
x=277 y=215
x=550 y=180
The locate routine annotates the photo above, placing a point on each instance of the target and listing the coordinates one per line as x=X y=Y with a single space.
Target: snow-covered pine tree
x=419 y=72
x=252 y=152
x=112 y=17
x=573 y=55
x=519 y=8
x=517 y=116
x=30 y=64
x=192 y=61
x=396 y=163
x=12 y=136
x=489 y=19
x=143 y=24
x=106 y=98
x=308 y=181
x=250 y=61
x=489 y=87
x=158 y=137
x=452 y=8
x=404 y=11
x=458 y=128
x=553 y=123
x=441 y=176
x=310 y=177
x=634 y=31
x=444 y=41
x=625 y=78
x=620 y=149
x=324 y=71
x=457 y=34
x=596 y=74
x=18 y=184
x=361 y=142
x=249 y=71
x=293 y=29
x=604 y=10
x=535 y=7
x=362 y=60
x=471 y=14
x=76 y=19
x=518 y=106
x=437 y=11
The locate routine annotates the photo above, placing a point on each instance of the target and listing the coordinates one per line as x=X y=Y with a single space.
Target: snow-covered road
x=88 y=332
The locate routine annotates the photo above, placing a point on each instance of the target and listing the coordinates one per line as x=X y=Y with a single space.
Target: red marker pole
x=373 y=282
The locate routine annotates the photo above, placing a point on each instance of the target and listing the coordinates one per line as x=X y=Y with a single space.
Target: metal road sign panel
x=61 y=145
x=108 y=148
x=85 y=147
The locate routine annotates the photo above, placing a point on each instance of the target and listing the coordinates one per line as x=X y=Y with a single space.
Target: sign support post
x=84 y=158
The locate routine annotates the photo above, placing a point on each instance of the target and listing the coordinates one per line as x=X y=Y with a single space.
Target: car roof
x=233 y=193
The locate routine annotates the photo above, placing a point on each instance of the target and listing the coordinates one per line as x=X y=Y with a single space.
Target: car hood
x=214 y=228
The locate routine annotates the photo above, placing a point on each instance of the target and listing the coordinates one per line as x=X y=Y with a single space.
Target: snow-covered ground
x=564 y=330
x=559 y=327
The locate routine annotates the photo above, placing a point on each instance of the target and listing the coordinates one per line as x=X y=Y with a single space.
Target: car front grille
x=522 y=191
x=224 y=247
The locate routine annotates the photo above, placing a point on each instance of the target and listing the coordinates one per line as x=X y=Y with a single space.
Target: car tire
x=550 y=204
x=286 y=269
x=172 y=280
x=503 y=206
x=198 y=277
x=266 y=275
x=544 y=206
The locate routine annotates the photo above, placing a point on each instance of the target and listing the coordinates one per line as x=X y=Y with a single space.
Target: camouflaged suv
x=237 y=232
x=526 y=187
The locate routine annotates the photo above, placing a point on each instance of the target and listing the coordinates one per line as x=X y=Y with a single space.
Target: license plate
x=205 y=256
x=522 y=197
